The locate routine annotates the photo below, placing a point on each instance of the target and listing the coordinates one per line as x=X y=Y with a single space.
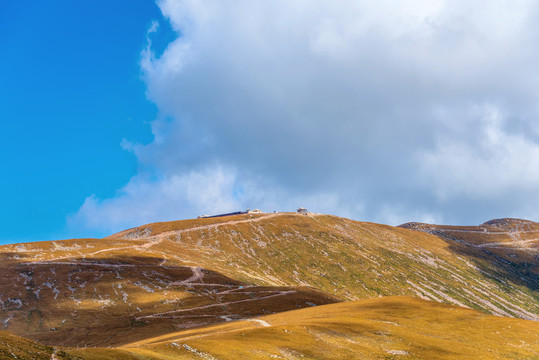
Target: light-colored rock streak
x=261 y=322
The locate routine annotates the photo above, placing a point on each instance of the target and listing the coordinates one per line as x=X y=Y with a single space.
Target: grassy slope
x=383 y=328
x=512 y=244
x=14 y=347
x=349 y=259
x=96 y=290
x=116 y=300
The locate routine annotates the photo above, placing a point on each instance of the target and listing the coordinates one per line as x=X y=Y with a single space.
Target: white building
x=302 y=211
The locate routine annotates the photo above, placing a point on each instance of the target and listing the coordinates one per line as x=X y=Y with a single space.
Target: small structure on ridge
x=248 y=211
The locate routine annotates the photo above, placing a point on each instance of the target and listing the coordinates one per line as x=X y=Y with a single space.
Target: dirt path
x=508 y=243
x=158 y=315
x=119 y=266
x=167 y=339
x=157 y=239
x=487 y=232
x=212 y=226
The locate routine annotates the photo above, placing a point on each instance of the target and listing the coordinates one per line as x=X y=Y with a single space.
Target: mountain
x=164 y=278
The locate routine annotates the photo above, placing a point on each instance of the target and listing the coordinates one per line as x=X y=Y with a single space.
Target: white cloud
x=494 y=163
x=173 y=197
x=352 y=107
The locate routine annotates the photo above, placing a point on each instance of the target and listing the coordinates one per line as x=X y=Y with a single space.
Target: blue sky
x=70 y=91
x=116 y=114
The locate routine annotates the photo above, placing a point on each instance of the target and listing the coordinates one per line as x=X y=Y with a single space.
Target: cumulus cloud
x=499 y=161
x=145 y=200
x=378 y=110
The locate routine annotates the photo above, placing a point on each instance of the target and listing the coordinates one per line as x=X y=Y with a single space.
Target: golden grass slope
x=382 y=328
x=15 y=347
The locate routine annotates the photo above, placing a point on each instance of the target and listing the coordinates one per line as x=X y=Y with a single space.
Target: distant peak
x=414 y=225
x=505 y=223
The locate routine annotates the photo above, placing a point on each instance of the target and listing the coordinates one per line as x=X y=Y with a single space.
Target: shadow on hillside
x=496 y=267
x=117 y=300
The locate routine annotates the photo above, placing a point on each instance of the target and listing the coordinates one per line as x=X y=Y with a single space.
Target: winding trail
x=487 y=232
x=152 y=240
x=160 y=315
x=181 y=336
x=514 y=243
x=155 y=239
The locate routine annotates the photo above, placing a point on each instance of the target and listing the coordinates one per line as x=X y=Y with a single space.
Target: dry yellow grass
x=382 y=328
x=15 y=347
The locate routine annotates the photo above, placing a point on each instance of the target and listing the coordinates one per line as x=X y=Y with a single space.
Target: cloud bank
x=387 y=111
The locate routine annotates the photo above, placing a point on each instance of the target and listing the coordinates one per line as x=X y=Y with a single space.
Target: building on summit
x=248 y=211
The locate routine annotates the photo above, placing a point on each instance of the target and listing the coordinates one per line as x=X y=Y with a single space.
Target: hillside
x=162 y=278
x=15 y=347
x=349 y=259
x=381 y=328
x=511 y=246
x=389 y=327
